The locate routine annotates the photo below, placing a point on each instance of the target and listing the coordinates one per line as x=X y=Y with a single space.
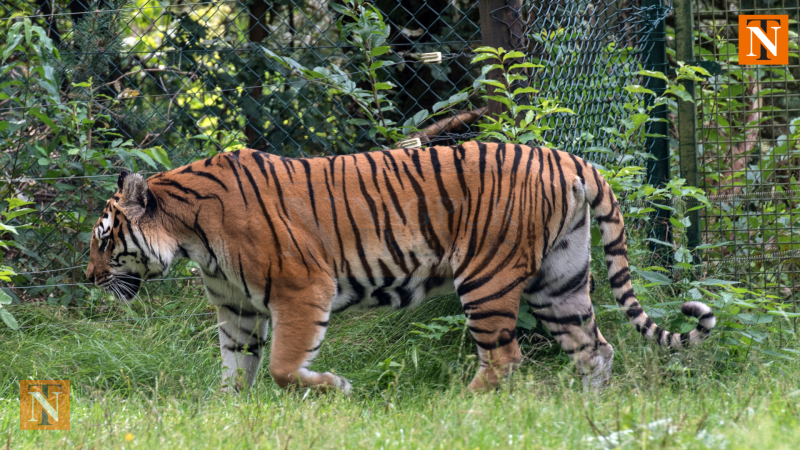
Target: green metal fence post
x=687 y=111
x=658 y=168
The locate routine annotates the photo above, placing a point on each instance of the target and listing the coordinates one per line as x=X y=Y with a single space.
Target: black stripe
x=368 y=197
x=570 y=319
x=388 y=155
x=458 y=156
x=230 y=160
x=241 y=274
x=315 y=348
x=500 y=342
x=600 y=189
x=536 y=285
x=310 y=186
x=362 y=255
x=267 y=288
x=445 y=198
x=619 y=240
x=577 y=350
x=620 y=278
x=468 y=286
x=487 y=314
x=206 y=175
x=634 y=312
x=393 y=197
x=423 y=217
x=577 y=281
x=580 y=224
x=238 y=311
x=373 y=169
x=497 y=295
x=417 y=163
x=625 y=296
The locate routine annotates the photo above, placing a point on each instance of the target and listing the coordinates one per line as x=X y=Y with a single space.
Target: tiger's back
x=293 y=240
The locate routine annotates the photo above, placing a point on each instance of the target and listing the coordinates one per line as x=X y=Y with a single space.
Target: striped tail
x=609 y=218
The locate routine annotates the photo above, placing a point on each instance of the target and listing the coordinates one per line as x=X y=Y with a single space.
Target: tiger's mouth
x=124 y=286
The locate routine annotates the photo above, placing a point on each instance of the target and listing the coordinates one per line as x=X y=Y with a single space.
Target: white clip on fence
x=410 y=143
x=431 y=58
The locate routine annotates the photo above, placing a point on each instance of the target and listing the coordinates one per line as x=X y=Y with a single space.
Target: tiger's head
x=128 y=244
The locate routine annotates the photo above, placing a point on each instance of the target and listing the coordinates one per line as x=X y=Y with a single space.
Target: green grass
x=159 y=381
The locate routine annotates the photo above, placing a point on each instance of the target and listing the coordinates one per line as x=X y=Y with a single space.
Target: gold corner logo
x=44 y=405
x=763 y=40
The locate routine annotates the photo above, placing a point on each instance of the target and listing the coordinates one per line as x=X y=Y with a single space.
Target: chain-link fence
x=749 y=150
x=191 y=79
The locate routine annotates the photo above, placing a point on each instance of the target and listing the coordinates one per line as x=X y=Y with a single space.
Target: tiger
x=288 y=242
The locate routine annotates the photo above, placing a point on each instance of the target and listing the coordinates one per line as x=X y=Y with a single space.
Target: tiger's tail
x=609 y=218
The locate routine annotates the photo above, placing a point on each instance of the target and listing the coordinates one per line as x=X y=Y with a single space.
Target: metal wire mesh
x=748 y=127
x=189 y=77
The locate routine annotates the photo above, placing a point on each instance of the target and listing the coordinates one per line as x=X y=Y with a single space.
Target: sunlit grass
x=157 y=382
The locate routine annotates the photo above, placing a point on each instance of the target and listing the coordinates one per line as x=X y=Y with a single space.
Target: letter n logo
x=44 y=405
x=763 y=40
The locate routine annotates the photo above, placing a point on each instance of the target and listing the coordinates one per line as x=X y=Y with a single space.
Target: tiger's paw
x=342 y=384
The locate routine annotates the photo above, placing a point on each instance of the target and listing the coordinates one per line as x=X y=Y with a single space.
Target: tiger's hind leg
x=491 y=305
x=300 y=312
x=559 y=298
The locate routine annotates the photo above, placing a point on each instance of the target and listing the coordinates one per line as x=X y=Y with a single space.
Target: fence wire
x=190 y=78
x=749 y=151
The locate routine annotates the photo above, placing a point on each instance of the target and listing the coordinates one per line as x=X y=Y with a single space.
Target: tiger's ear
x=121 y=179
x=135 y=195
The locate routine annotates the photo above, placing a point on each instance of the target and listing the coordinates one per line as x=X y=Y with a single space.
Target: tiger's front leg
x=300 y=312
x=242 y=338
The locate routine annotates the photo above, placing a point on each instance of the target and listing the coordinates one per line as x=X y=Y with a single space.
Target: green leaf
x=719 y=244
x=525 y=90
x=525 y=66
x=378 y=51
x=483 y=57
x=46 y=119
x=126 y=158
x=383 y=86
x=654 y=277
x=654 y=74
x=526 y=320
x=362 y=122
x=683 y=95
x=5 y=299
x=379 y=64
x=49 y=88
x=657 y=241
x=145 y=157
x=485 y=49
x=513 y=54
x=637 y=89
x=494 y=83
x=160 y=155
x=716 y=282
x=500 y=99
x=17 y=213
x=676 y=223
x=461 y=96
x=420 y=117
x=9 y=319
